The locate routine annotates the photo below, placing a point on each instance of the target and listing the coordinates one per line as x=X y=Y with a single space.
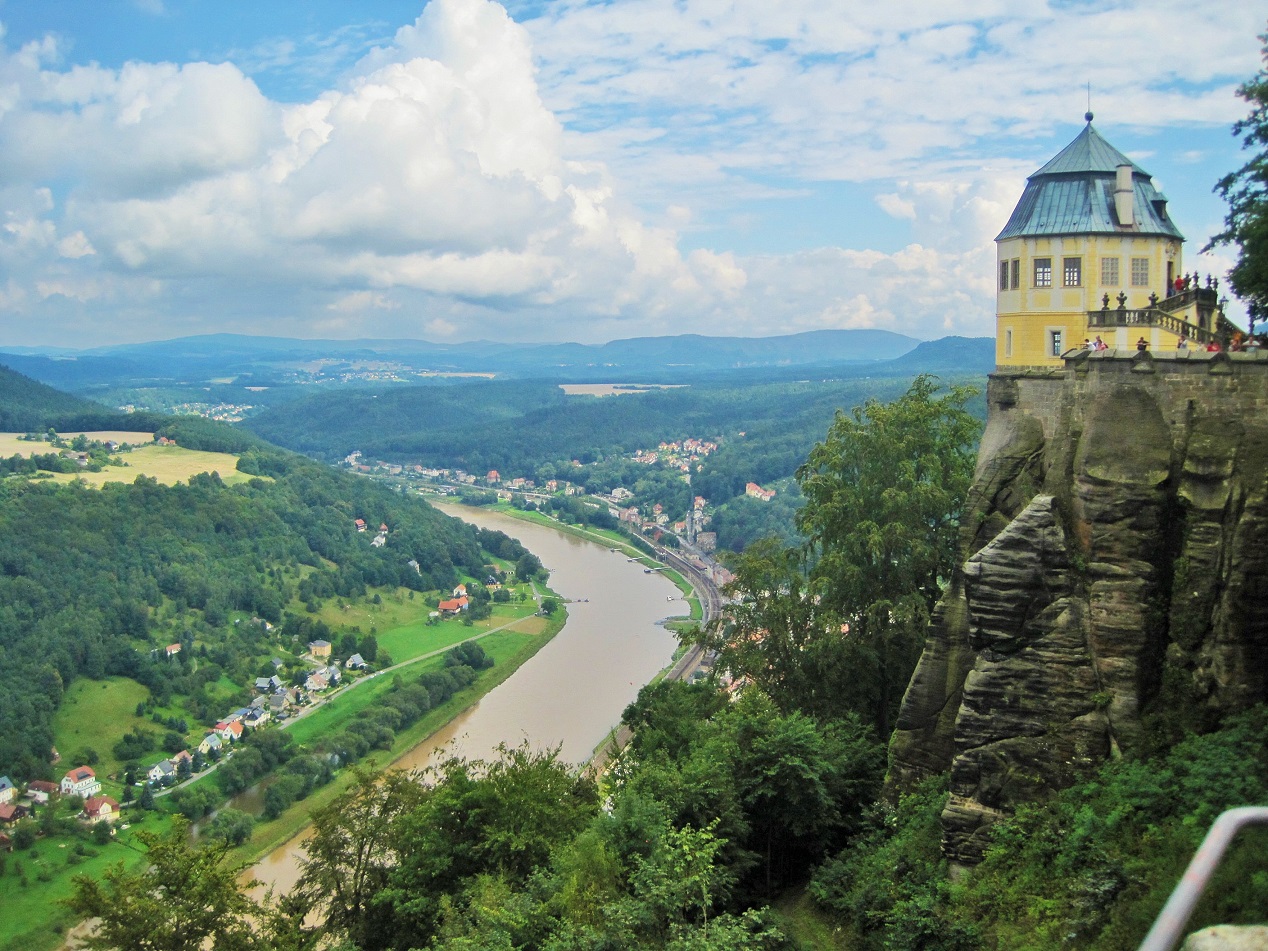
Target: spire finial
x=1087 y=116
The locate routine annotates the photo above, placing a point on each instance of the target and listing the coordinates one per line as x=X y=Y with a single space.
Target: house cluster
x=10 y=811
x=81 y=781
x=168 y=771
x=327 y=675
x=685 y=456
x=380 y=539
x=454 y=606
x=224 y=412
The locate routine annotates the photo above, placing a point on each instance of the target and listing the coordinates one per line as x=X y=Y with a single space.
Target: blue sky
x=569 y=170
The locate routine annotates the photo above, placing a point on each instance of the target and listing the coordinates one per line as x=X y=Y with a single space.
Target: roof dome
x=1074 y=194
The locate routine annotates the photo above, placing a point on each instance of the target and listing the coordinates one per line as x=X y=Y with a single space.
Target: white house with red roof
x=81 y=781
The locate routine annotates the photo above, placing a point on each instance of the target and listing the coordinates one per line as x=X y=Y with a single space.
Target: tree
x=836 y=625
x=232 y=825
x=501 y=818
x=1246 y=191
x=183 y=899
x=353 y=847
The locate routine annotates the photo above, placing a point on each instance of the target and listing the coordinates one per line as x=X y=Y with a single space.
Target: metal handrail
x=1169 y=926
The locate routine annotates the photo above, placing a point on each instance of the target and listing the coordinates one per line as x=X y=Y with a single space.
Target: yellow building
x=1089 y=252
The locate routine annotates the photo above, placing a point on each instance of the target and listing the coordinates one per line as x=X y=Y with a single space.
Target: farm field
x=168 y=464
x=96 y=714
x=12 y=443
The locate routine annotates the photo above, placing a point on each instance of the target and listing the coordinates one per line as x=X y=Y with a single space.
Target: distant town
x=687 y=530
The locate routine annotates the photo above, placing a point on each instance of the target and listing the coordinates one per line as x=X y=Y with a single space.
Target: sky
x=571 y=170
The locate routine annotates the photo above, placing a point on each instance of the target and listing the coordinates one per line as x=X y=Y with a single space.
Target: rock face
x=1114 y=583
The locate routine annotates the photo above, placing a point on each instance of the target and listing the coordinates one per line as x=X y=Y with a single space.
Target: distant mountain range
x=267 y=360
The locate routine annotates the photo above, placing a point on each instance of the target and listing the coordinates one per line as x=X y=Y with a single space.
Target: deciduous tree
x=183 y=899
x=836 y=624
x=1246 y=191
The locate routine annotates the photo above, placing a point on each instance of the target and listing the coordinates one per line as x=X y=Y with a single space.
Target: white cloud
x=896 y=207
x=359 y=301
x=440 y=328
x=75 y=245
x=475 y=176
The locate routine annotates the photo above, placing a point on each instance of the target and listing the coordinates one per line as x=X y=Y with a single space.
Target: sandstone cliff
x=1114 y=589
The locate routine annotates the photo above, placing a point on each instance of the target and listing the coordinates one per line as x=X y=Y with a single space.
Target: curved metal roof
x=1074 y=194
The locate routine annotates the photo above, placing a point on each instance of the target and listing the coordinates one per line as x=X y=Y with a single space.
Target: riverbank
x=686 y=659
x=510 y=651
x=34 y=921
x=571 y=691
x=604 y=536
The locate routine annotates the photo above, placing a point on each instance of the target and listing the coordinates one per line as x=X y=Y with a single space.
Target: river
x=571 y=693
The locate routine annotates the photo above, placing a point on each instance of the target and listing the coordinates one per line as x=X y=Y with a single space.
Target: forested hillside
x=764 y=432
x=26 y=406
x=92 y=581
x=519 y=426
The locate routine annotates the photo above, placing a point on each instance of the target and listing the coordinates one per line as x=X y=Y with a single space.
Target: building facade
x=1090 y=251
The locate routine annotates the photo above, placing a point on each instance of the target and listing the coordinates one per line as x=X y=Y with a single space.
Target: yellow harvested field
x=11 y=445
x=118 y=435
x=167 y=464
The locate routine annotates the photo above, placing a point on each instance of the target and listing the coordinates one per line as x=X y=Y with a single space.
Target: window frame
x=1042 y=267
x=1108 y=265
x=1140 y=266
x=1072 y=266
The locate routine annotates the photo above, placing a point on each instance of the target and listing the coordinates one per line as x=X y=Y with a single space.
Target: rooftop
x=1074 y=194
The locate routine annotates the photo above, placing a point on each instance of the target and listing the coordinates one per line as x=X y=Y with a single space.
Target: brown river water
x=571 y=693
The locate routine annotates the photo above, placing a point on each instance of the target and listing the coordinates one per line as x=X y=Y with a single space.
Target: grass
x=168 y=464
x=97 y=713
x=417 y=638
x=31 y=916
x=807 y=926
x=400 y=624
x=11 y=443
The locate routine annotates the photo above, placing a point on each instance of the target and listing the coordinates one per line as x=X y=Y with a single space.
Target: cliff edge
x=1114 y=588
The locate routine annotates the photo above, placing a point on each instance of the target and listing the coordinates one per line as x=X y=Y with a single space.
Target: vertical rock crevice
x=1110 y=595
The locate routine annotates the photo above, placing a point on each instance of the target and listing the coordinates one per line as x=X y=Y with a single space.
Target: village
x=290 y=691
x=275 y=702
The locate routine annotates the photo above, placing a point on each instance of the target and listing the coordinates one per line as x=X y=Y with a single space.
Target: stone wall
x=1115 y=551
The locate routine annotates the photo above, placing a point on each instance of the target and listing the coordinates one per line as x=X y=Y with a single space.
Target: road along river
x=570 y=693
